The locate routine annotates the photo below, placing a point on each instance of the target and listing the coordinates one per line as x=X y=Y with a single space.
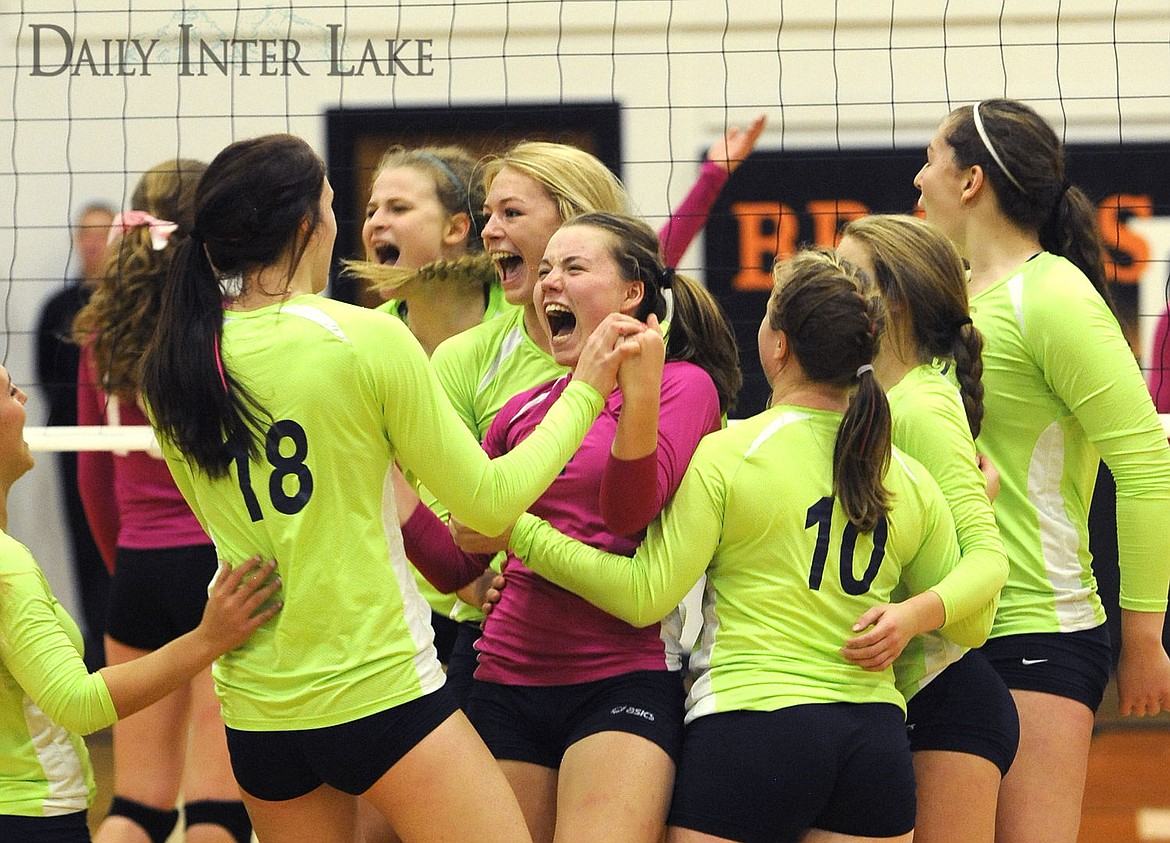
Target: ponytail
x=1073 y=233
x=701 y=334
x=861 y=454
x=833 y=324
x=257 y=205
x=183 y=369
x=475 y=269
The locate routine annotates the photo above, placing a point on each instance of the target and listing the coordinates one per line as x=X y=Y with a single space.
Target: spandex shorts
x=157 y=595
x=967 y=708
x=275 y=766
x=1074 y=665
x=537 y=724
x=768 y=776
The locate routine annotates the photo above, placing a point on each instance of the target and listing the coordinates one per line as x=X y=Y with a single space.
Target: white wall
x=682 y=70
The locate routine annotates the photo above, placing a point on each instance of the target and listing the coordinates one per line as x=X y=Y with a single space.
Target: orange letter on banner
x=828 y=214
x=1120 y=239
x=767 y=232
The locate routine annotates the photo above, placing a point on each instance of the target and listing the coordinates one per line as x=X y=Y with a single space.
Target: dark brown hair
x=257 y=205
x=699 y=331
x=833 y=324
x=1043 y=201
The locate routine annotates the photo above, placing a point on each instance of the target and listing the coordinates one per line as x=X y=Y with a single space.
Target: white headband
x=991 y=149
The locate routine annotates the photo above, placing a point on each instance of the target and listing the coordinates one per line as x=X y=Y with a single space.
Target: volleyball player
x=804 y=523
x=280 y=413
x=160 y=556
x=1062 y=387
x=584 y=711
x=961 y=719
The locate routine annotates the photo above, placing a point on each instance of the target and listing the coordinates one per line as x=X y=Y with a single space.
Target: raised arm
x=724 y=156
x=657 y=434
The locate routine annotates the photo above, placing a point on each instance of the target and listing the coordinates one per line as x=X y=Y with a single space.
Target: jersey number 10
x=821 y=514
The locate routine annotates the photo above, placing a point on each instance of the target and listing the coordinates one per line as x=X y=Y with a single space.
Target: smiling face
x=15 y=456
x=580 y=284
x=521 y=217
x=941 y=184
x=405 y=220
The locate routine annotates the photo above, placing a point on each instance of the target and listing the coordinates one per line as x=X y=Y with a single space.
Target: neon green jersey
x=930 y=425
x=481 y=369
x=348 y=390
x=448 y=605
x=1062 y=387
x=484 y=366
x=787 y=573
x=48 y=698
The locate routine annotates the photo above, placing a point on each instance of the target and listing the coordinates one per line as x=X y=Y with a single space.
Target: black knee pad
x=157 y=823
x=230 y=814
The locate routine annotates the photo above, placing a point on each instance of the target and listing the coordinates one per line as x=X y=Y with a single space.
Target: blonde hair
x=577 y=181
x=475 y=269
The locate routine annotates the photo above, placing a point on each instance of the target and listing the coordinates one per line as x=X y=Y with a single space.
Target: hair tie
x=991 y=149
x=126 y=221
x=966 y=320
x=460 y=187
x=667 y=281
x=865 y=367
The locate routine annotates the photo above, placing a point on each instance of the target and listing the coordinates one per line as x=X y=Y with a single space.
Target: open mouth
x=561 y=320
x=387 y=253
x=508 y=264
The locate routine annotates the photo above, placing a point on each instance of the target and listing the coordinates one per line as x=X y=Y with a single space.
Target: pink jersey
x=130 y=499
x=539 y=633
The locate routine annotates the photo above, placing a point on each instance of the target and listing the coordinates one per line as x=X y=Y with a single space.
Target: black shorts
x=445 y=631
x=462 y=661
x=769 y=776
x=1074 y=665
x=157 y=595
x=967 y=708
x=65 y=828
x=537 y=724
x=275 y=766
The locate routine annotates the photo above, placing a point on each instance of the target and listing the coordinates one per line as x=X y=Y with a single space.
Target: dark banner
x=779 y=201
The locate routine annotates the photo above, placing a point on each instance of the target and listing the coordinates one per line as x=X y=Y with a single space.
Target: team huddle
x=455 y=532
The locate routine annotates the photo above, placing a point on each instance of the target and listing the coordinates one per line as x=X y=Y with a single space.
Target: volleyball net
x=100 y=91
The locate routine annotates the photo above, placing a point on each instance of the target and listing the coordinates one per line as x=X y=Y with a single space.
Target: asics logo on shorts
x=636 y=712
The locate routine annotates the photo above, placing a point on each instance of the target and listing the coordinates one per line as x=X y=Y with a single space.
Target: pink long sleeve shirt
x=129 y=497
x=539 y=633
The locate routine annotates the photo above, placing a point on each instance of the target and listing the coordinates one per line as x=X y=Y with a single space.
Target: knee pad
x=157 y=823
x=230 y=814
